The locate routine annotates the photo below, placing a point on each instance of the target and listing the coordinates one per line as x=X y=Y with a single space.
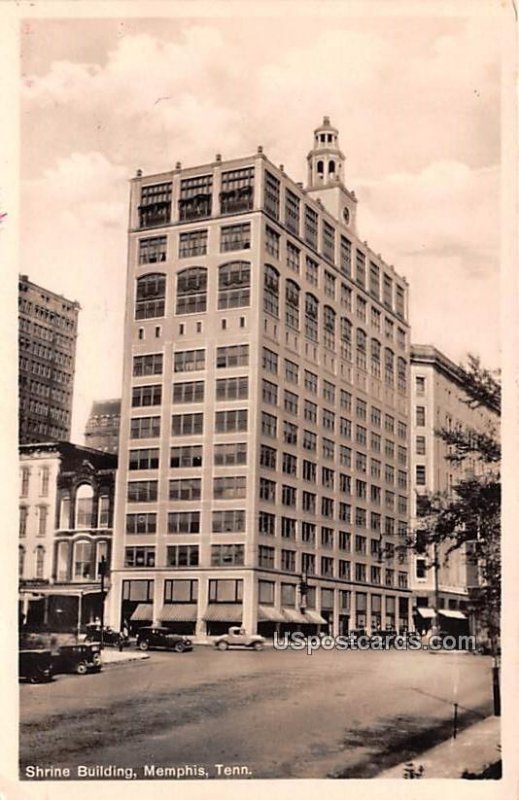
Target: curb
x=123 y=661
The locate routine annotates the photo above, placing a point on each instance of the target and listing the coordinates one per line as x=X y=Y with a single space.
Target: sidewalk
x=111 y=656
x=473 y=749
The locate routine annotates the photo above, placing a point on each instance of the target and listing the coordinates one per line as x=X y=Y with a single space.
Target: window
x=291 y=372
x=376 y=575
x=374 y=280
x=288 y=528
x=232 y=388
x=309 y=502
x=421 y=568
x=288 y=495
x=230 y=454
x=152 y=251
x=309 y=471
x=237 y=190
x=291 y=401
x=312 y=271
x=292 y=292
x=235 y=237
x=148 y=365
x=266 y=592
x=270 y=361
x=229 y=521
x=402 y=430
x=328 y=420
x=402 y=580
x=310 y=231
x=225 y=591
x=308 y=533
x=308 y=563
x=402 y=375
x=192 y=291
x=269 y=392
x=328 y=241
x=195 y=197
x=360 y=574
x=232 y=356
x=103 y=513
x=361 y=306
x=25 y=475
x=83 y=560
x=361 y=342
x=44 y=482
x=326 y=567
x=387 y=291
x=309 y=441
x=345 y=456
x=291 y=212
x=266 y=556
x=24 y=513
x=192 y=392
x=288 y=560
x=267 y=490
x=144 y=459
x=310 y=411
x=229 y=487
x=328 y=448
x=361 y=518
x=420 y=384
x=271 y=290
x=150 y=300
x=400 y=300
x=289 y=466
x=311 y=317
x=155 y=205
x=182 y=591
x=139 y=557
x=187 y=456
x=234 y=285
x=231 y=420
x=187 y=424
x=310 y=382
x=420 y=445
x=141 y=523
x=184 y=522
x=266 y=523
x=189 y=360
x=43 y=512
x=290 y=433
x=268 y=425
x=268 y=457
x=227 y=554
x=345 y=256
x=271 y=195
x=420 y=416
x=293 y=257
x=360 y=266
x=327 y=477
x=193 y=243
x=84 y=506
x=182 y=555
x=185 y=489
x=142 y=491
x=272 y=242
x=147 y=396
x=420 y=475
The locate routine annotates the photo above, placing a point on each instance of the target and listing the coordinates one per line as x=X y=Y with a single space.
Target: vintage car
x=238 y=637
x=77 y=658
x=111 y=637
x=159 y=638
x=35 y=666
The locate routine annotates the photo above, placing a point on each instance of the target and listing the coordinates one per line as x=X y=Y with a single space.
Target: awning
x=452 y=613
x=224 y=612
x=60 y=591
x=178 y=612
x=269 y=614
x=427 y=613
x=291 y=615
x=314 y=618
x=143 y=613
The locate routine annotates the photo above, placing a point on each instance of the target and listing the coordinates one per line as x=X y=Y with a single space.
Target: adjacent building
x=102 y=428
x=66 y=524
x=47 y=351
x=264 y=438
x=439 y=401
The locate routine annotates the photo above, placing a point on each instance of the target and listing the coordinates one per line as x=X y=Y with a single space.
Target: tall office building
x=102 y=428
x=439 y=400
x=264 y=423
x=47 y=336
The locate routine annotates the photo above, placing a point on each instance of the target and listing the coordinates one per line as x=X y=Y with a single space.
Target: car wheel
x=222 y=646
x=144 y=644
x=179 y=647
x=34 y=677
x=81 y=668
x=257 y=646
x=97 y=659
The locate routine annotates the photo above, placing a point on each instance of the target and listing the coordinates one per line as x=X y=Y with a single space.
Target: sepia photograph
x=259 y=293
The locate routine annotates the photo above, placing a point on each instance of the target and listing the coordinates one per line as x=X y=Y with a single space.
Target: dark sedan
x=158 y=638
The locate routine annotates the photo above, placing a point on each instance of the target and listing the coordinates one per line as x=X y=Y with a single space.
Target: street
x=277 y=714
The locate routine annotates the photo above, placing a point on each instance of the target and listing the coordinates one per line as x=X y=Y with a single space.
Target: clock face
x=346 y=215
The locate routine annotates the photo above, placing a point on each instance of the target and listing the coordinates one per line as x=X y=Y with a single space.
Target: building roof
x=71 y=453
x=106 y=407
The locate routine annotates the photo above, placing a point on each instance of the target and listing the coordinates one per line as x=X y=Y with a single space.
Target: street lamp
x=102 y=572
x=303 y=589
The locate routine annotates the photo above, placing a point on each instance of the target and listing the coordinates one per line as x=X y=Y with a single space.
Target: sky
x=416 y=101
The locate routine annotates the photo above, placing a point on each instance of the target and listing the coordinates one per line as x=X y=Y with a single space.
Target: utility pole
x=436 y=564
x=102 y=573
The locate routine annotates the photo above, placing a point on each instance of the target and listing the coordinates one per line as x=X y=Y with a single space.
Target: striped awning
x=143 y=613
x=224 y=612
x=314 y=617
x=452 y=613
x=270 y=614
x=178 y=612
x=292 y=615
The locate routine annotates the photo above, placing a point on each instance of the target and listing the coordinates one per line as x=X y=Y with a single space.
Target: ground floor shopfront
x=452 y=611
x=207 y=602
x=60 y=608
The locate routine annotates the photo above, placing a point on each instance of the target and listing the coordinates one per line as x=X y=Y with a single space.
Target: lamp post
x=102 y=573
x=303 y=589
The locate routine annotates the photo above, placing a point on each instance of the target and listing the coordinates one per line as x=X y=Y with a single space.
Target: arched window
x=389 y=366
x=311 y=317
x=103 y=512
x=192 y=291
x=362 y=347
x=150 y=301
x=64 y=513
x=375 y=357
x=83 y=557
x=329 y=327
x=39 y=561
x=271 y=290
x=331 y=167
x=320 y=167
x=234 y=284
x=84 y=507
x=21 y=560
x=292 y=292
x=62 y=572
x=101 y=552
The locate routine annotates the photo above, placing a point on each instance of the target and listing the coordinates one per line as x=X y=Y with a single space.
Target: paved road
x=277 y=714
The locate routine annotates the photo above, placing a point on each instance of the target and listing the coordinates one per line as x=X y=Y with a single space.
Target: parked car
x=238 y=637
x=35 y=665
x=159 y=638
x=111 y=637
x=77 y=658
